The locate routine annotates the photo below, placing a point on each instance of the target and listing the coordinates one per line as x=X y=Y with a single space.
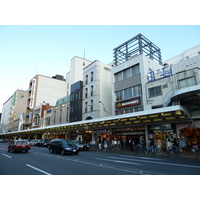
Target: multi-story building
x=133 y=60
x=96 y=90
x=38 y=114
x=76 y=71
x=97 y=96
x=43 y=89
x=12 y=110
x=60 y=112
x=76 y=101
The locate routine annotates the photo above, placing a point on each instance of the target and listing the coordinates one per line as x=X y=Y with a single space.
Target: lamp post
x=104 y=107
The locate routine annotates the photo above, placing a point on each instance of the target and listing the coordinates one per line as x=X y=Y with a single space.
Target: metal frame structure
x=136 y=46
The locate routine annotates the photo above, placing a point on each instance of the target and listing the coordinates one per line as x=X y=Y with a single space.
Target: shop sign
x=32 y=93
x=127 y=103
x=159 y=73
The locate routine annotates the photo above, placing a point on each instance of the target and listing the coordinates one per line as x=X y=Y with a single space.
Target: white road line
x=154 y=162
x=38 y=169
x=118 y=161
x=6 y=155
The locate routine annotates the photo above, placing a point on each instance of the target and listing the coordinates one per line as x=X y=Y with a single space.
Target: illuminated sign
x=132 y=102
x=159 y=73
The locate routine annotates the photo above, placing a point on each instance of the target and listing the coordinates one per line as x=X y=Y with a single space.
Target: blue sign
x=159 y=73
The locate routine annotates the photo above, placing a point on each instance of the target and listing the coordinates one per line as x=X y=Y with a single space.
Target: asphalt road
x=38 y=161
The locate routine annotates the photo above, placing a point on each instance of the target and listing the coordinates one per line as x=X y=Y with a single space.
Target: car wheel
x=8 y=150
x=51 y=151
x=63 y=152
x=26 y=151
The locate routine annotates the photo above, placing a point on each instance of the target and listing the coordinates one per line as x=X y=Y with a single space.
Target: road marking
x=118 y=161
x=38 y=169
x=6 y=155
x=163 y=163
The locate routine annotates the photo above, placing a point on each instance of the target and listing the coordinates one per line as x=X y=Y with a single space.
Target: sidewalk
x=185 y=154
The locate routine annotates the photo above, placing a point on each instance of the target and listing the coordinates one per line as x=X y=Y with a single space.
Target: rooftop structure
x=136 y=46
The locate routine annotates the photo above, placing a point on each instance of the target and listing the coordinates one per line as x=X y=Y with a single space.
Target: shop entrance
x=192 y=135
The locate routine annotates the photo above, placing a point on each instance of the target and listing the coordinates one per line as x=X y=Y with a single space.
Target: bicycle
x=139 y=149
x=173 y=150
x=154 y=149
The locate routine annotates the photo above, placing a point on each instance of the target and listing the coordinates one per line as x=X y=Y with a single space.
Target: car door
x=59 y=146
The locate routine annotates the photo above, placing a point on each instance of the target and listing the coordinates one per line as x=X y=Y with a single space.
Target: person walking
x=131 y=144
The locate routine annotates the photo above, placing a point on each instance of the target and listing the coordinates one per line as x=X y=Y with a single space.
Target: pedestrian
x=166 y=142
x=159 y=143
x=121 y=143
x=131 y=144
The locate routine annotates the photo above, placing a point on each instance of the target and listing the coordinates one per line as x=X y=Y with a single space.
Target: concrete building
x=76 y=101
x=128 y=89
x=76 y=71
x=96 y=90
x=12 y=110
x=44 y=90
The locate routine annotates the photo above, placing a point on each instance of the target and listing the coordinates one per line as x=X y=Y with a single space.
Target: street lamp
x=104 y=107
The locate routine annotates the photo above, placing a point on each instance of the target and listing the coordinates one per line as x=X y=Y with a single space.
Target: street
x=38 y=161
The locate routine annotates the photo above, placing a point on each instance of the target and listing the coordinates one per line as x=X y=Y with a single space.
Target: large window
x=191 y=81
x=127 y=73
x=119 y=95
x=128 y=93
x=137 y=90
x=155 y=91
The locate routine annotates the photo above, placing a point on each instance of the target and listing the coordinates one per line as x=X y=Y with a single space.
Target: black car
x=82 y=146
x=42 y=143
x=63 y=146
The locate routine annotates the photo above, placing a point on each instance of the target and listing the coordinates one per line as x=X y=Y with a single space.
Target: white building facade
x=43 y=90
x=96 y=91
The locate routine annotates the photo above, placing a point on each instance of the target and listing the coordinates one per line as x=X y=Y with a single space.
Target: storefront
x=191 y=136
x=160 y=131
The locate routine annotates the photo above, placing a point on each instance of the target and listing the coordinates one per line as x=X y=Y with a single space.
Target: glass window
x=119 y=95
x=128 y=93
x=85 y=106
x=187 y=82
x=136 y=69
x=92 y=90
x=137 y=90
x=118 y=76
x=155 y=91
x=92 y=76
x=127 y=73
x=86 y=93
x=86 y=79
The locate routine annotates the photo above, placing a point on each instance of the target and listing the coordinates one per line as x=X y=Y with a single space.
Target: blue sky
x=47 y=50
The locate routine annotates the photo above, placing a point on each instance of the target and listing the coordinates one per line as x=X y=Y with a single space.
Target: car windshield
x=70 y=142
x=21 y=142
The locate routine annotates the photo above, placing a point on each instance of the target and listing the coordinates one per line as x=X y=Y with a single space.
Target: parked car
x=42 y=143
x=18 y=146
x=81 y=145
x=33 y=142
x=2 y=141
x=63 y=146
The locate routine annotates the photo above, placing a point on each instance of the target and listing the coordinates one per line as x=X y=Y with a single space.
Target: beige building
x=44 y=90
x=12 y=110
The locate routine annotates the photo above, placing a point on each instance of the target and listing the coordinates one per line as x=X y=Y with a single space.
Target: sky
x=27 y=50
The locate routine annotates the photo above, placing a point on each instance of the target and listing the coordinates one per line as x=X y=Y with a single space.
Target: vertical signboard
x=32 y=93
